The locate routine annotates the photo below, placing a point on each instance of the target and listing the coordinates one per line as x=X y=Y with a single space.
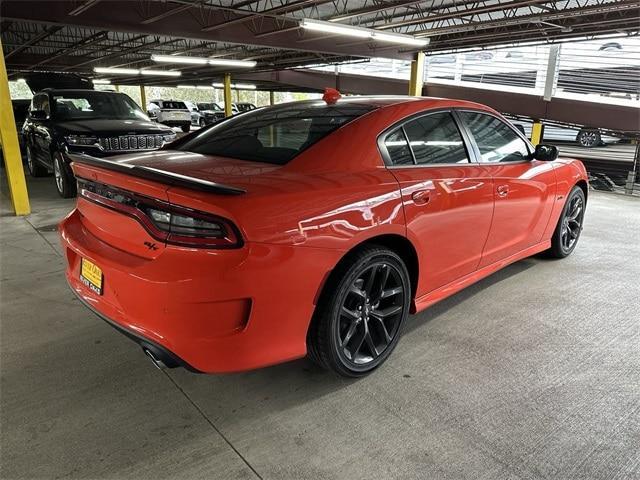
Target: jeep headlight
x=82 y=140
x=169 y=138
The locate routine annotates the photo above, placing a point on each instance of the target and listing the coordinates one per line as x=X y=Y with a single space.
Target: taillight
x=170 y=223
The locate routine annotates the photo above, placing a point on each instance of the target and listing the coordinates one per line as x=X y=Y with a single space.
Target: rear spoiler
x=157 y=175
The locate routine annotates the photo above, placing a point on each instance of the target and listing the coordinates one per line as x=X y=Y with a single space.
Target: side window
x=496 y=140
x=45 y=104
x=398 y=148
x=436 y=139
x=36 y=102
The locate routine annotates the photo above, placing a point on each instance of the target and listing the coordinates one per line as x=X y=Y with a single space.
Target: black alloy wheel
x=569 y=227
x=202 y=122
x=361 y=313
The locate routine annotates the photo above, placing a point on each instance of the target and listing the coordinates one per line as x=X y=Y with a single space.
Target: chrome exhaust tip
x=159 y=364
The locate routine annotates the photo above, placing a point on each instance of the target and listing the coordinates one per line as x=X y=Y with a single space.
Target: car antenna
x=331 y=96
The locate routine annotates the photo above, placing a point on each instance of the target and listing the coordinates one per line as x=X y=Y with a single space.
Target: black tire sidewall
x=68 y=180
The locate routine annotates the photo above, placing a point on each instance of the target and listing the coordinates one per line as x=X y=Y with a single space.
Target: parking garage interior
x=532 y=372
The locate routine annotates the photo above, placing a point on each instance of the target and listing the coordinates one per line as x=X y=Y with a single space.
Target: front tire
x=589 y=138
x=65 y=181
x=361 y=312
x=202 y=123
x=186 y=127
x=35 y=169
x=567 y=232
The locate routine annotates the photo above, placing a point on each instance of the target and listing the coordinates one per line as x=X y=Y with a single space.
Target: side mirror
x=38 y=114
x=546 y=153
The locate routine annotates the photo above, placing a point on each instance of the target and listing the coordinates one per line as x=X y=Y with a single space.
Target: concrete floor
x=532 y=373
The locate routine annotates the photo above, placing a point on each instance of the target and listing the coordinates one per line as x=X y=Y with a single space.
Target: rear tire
x=35 y=169
x=361 y=312
x=65 y=181
x=567 y=232
x=186 y=127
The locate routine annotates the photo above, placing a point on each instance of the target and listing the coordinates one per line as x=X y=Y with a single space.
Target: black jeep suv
x=95 y=122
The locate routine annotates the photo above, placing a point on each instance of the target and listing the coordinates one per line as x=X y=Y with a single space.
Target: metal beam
x=10 y=147
x=83 y=8
x=32 y=41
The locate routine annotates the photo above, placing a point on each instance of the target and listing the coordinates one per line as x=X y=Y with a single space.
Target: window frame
x=474 y=144
x=386 y=157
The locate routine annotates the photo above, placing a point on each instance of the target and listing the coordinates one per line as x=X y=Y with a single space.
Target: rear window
x=274 y=135
x=174 y=105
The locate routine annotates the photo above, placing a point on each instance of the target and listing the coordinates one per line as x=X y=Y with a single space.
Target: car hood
x=105 y=127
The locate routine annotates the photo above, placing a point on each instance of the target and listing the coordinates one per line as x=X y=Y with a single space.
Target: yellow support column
x=417 y=75
x=537 y=130
x=272 y=98
x=143 y=98
x=227 y=95
x=10 y=147
x=117 y=87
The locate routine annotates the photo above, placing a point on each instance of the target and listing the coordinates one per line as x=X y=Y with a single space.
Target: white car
x=585 y=137
x=173 y=113
x=196 y=115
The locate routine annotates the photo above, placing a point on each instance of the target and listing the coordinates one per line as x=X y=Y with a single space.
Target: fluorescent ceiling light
x=21 y=80
x=351 y=31
x=217 y=62
x=186 y=86
x=220 y=62
x=119 y=71
x=402 y=39
x=329 y=27
x=177 y=59
x=100 y=81
x=161 y=73
x=204 y=87
x=237 y=86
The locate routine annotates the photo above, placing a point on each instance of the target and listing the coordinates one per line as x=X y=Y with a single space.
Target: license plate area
x=91 y=276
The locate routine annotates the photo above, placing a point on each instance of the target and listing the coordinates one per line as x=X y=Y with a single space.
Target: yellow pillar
x=238 y=96
x=227 y=95
x=272 y=98
x=117 y=87
x=143 y=98
x=416 y=80
x=536 y=132
x=10 y=147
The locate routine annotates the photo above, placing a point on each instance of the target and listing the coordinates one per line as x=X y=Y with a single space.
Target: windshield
x=93 y=105
x=276 y=134
x=209 y=106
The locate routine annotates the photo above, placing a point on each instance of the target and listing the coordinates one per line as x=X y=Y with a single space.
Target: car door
x=524 y=189
x=447 y=198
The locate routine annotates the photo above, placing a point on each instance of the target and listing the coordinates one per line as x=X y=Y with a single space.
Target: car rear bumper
x=214 y=311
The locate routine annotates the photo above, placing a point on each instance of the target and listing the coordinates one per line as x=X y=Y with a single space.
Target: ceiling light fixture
x=101 y=81
x=161 y=73
x=118 y=71
x=351 y=31
x=216 y=62
x=179 y=59
x=237 y=86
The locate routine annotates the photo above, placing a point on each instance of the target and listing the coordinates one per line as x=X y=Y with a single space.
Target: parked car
x=89 y=121
x=245 y=107
x=210 y=113
x=173 y=113
x=585 y=137
x=20 y=112
x=196 y=116
x=238 y=246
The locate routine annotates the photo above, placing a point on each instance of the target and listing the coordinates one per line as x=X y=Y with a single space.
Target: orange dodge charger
x=311 y=227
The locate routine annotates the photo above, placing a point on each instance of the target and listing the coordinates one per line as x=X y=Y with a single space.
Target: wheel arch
x=584 y=186
x=399 y=244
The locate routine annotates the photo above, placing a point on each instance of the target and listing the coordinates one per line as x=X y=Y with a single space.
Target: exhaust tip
x=159 y=364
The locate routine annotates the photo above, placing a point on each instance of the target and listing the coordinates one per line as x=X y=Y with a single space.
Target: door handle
x=421 y=197
x=503 y=190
